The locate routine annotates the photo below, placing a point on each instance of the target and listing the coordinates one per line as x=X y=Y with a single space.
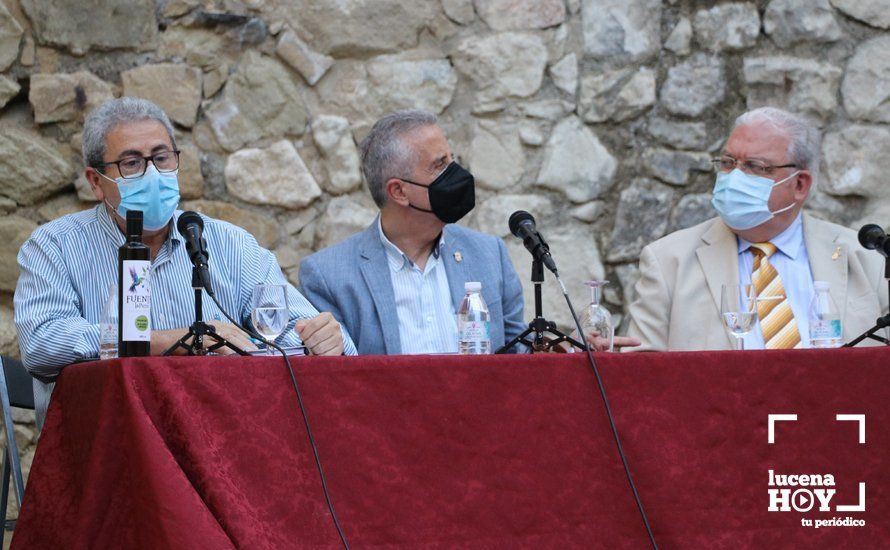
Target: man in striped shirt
x=397 y=285
x=68 y=265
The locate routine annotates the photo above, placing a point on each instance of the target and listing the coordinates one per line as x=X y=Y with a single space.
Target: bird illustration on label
x=138 y=280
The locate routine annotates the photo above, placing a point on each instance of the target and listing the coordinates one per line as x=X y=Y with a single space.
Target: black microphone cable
x=599 y=382
x=293 y=378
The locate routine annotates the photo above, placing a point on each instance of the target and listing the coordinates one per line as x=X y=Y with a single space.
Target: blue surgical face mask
x=155 y=193
x=742 y=200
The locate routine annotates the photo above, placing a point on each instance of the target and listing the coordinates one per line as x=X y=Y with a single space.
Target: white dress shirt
x=427 y=320
x=793 y=265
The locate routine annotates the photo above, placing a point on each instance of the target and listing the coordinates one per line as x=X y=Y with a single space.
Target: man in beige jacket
x=764 y=175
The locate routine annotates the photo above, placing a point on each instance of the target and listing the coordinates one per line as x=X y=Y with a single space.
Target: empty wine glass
x=596 y=319
x=738 y=308
x=269 y=312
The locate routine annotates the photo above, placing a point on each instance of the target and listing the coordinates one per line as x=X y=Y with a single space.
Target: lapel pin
x=458 y=257
x=837 y=254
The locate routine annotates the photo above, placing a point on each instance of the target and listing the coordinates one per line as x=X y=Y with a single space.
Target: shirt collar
x=397 y=259
x=108 y=225
x=788 y=242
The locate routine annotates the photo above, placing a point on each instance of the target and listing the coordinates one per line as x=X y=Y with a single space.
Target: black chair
x=17 y=391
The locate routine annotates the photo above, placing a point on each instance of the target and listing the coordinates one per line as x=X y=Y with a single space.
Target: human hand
x=626 y=342
x=601 y=343
x=234 y=335
x=161 y=340
x=321 y=335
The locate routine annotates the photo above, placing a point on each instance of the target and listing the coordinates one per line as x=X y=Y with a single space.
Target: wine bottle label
x=136 y=317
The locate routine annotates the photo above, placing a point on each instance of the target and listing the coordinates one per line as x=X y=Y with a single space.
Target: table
x=451 y=451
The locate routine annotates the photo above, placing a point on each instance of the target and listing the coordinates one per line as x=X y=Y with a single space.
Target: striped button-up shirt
x=68 y=265
x=427 y=321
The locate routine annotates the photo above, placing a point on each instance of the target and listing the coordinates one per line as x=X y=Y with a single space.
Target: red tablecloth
x=482 y=452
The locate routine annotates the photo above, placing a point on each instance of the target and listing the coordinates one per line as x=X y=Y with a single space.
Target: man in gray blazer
x=763 y=177
x=396 y=286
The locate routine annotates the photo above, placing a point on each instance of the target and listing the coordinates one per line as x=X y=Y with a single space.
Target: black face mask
x=452 y=194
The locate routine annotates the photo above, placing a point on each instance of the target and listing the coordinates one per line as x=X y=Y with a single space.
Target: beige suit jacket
x=678 y=293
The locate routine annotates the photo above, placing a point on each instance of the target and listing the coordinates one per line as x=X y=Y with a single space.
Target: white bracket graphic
x=855 y=418
x=854 y=507
x=771 y=424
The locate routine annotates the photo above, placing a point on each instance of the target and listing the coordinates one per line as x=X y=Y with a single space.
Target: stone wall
x=598 y=116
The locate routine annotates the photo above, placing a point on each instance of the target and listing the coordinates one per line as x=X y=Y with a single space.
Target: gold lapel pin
x=837 y=254
x=458 y=257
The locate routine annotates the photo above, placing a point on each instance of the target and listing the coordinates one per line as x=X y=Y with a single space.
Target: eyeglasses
x=135 y=167
x=753 y=167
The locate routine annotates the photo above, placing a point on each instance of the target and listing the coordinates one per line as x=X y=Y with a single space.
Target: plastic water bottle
x=825 y=319
x=108 y=326
x=474 y=336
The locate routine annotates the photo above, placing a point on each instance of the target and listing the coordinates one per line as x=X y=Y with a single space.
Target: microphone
x=873 y=237
x=191 y=227
x=522 y=225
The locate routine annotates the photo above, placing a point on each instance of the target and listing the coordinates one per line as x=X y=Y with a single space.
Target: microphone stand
x=539 y=325
x=200 y=330
x=881 y=323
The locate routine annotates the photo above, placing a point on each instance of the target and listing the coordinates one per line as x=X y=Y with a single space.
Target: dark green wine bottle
x=134 y=292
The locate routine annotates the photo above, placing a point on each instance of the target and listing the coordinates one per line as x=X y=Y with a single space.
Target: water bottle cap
x=821 y=285
x=472 y=286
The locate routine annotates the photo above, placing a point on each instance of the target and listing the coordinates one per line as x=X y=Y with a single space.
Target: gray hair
x=105 y=117
x=804 y=137
x=384 y=153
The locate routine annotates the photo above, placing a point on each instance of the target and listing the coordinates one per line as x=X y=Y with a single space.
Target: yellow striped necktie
x=773 y=309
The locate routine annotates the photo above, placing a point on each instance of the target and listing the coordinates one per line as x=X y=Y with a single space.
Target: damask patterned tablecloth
x=465 y=451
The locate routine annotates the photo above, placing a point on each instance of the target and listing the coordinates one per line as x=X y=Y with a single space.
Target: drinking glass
x=738 y=308
x=268 y=311
x=596 y=319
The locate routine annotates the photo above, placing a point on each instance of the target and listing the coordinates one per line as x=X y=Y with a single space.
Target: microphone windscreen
x=189 y=218
x=516 y=219
x=871 y=236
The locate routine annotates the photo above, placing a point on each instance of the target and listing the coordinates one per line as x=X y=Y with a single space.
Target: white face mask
x=742 y=200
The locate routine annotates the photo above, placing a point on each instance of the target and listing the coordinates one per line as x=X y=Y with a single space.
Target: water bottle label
x=825 y=329
x=474 y=331
x=136 y=318
x=108 y=332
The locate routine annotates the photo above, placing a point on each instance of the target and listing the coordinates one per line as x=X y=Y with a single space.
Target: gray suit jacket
x=678 y=294
x=352 y=281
